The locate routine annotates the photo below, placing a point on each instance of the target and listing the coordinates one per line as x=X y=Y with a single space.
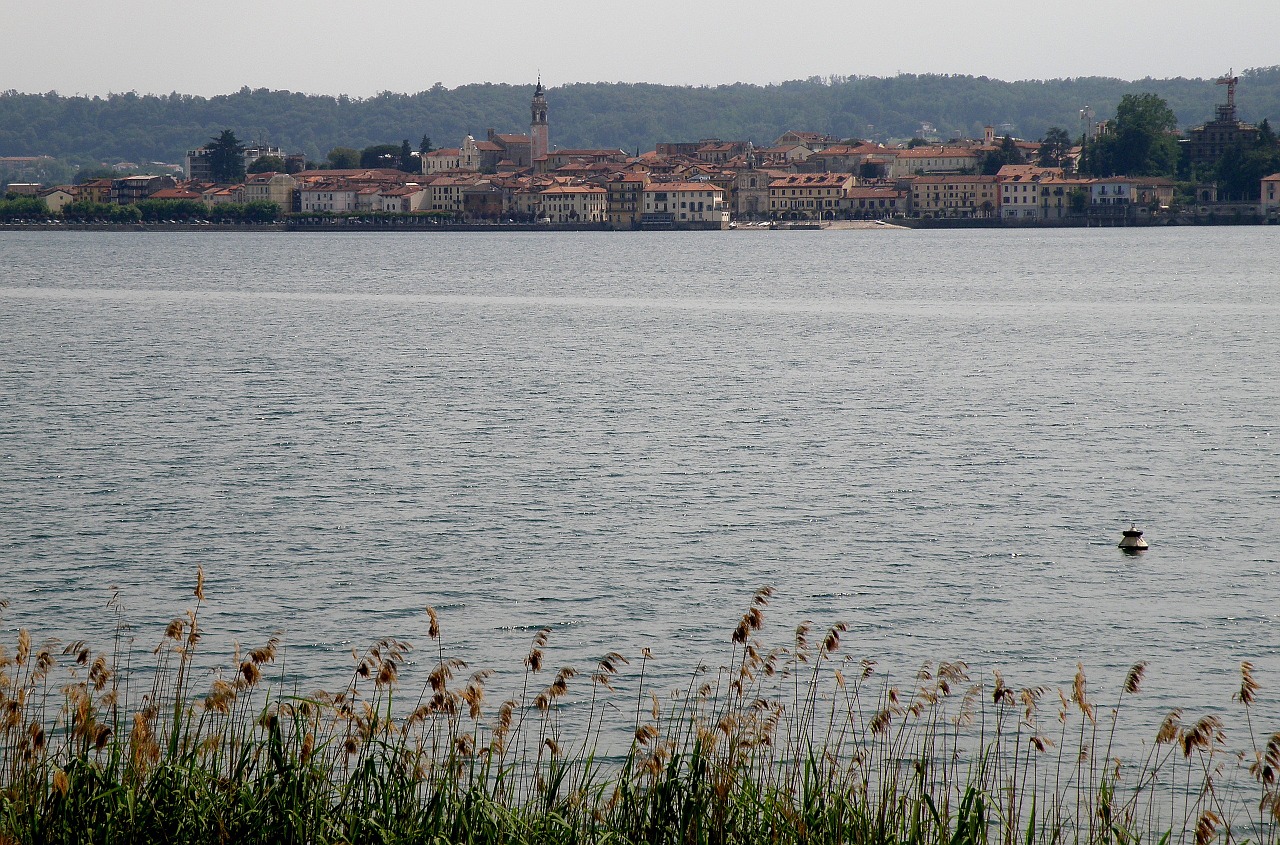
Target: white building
x=466 y=157
x=328 y=196
x=684 y=202
x=1112 y=191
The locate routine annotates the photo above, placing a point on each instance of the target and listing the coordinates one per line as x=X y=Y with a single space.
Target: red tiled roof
x=674 y=187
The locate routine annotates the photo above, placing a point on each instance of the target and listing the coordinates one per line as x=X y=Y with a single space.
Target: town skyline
x=312 y=48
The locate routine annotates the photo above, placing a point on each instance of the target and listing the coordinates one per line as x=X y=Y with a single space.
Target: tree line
x=149 y=127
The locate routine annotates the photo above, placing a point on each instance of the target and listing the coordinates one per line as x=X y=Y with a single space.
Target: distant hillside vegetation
x=160 y=127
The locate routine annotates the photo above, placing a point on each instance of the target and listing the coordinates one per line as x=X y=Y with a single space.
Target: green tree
x=1239 y=171
x=153 y=210
x=380 y=155
x=268 y=164
x=424 y=146
x=1006 y=153
x=83 y=210
x=408 y=163
x=1139 y=141
x=226 y=158
x=23 y=208
x=88 y=174
x=1079 y=200
x=343 y=158
x=124 y=214
x=1054 y=147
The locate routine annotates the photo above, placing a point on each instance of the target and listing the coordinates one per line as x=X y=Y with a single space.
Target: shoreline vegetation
x=792 y=743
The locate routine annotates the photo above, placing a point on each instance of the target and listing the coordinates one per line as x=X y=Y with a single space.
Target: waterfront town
x=802 y=178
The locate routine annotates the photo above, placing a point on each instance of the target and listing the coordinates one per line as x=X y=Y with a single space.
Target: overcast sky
x=322 y=46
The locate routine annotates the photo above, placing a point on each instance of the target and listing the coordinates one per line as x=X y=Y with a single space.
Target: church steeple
x=539 y=132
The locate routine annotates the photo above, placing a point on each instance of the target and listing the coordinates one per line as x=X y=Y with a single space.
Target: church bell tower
x=539 y=134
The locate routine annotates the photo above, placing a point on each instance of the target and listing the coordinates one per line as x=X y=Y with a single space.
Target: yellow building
x=271 y=187
x=955 y=196
x=625 y=201
x=924 y=161
x=809 y=196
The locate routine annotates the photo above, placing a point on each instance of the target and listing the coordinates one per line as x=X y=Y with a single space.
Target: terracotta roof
x=938 y=152
x=174 y=194
x=674 y=187
x=811 y=180
x=574 y=189
x=944 y=180
x=586 y=153
x=873 y=192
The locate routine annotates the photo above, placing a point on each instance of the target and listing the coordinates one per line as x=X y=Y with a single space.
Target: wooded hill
x=634 y=116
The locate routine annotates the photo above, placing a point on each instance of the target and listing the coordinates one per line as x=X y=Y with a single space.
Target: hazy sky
x=322 y=46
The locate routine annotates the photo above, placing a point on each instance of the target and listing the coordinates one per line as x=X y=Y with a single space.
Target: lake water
x=933 y=436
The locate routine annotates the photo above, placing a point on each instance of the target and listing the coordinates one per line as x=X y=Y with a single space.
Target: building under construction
x=1206 y=144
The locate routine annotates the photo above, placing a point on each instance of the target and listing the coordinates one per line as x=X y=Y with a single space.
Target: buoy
x=1132 y=542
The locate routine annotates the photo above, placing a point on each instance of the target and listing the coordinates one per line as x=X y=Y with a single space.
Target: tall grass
x=793 y=743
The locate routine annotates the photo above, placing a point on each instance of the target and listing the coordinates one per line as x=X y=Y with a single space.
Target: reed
x=790 y=743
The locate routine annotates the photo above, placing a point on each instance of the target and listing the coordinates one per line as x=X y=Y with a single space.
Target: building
x=1270 y=207
x=562 y=158
x=130 y=189
x=573 y=204
x=58 y=198
x=719 y=152
x=483 y=201
x=95 y=191
x=197 y=161
x=176 y=194
x=24 y=189
x=466 y=157
x=625 y=199
x=955 y=196
x=926 y=161
x=278 y=188
x=809 y=196
x=841 y=158
x=751 y=198
x=784 y=155
x=1021 y=188
x=499 y=152
x=223 y=195
x=875 y=202
x=335 y=195
x=446 y=193
x=673 y=204
x=1205 y=144
x=685 y=149
x=813 y=141
x=539 y=130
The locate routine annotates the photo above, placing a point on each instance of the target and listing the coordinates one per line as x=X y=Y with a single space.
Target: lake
x=934 y=436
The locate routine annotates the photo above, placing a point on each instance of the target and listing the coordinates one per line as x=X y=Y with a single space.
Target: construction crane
x=1228 y=112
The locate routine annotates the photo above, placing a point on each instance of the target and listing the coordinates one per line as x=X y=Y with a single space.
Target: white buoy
x=1132 y=542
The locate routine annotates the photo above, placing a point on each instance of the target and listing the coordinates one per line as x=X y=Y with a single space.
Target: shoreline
x=898 y=224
